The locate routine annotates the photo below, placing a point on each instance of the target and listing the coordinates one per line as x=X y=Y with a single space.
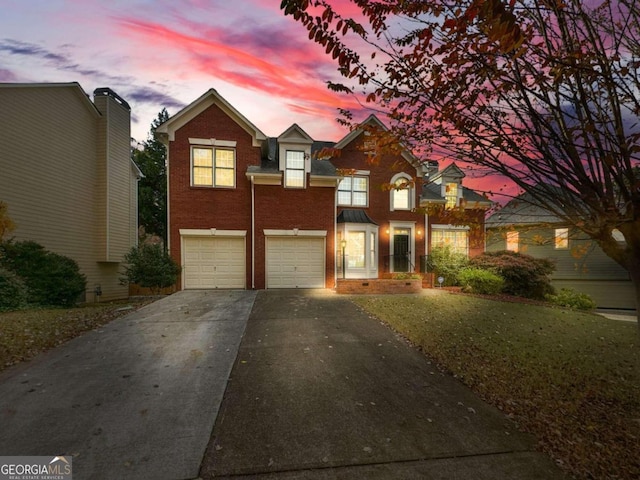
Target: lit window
x=353 y=191
x=213 y=167
x=562 y=238
x=355 y=249
x=513 y=241
x=401 y=194
x=457 y=240
x=294 y=169
x=451 y=195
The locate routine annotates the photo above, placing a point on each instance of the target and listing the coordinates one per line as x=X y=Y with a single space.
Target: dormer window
x=294 y=169
x=451 y=195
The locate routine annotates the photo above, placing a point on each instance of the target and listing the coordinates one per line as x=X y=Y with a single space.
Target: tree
x=152 y=189
x=6 y=224
x=540 y=92
x=149 y=266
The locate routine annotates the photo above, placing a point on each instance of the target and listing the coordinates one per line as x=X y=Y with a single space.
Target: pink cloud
x=291 y=75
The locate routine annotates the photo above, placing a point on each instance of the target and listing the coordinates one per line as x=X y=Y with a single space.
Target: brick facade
x=260 y=207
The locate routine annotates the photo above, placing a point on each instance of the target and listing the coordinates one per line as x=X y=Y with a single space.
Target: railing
x=398 y=263
x=425 y=265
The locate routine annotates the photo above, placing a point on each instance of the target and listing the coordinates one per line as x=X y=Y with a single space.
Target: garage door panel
x=214 y=262
x=295 y=262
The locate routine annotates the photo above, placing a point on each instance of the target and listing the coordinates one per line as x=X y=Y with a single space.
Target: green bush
x=444 y=262
x=477 y=280
x=13 y=291
x=149 y=266
x=524 y=275
x=568 y=297
x=51 y=279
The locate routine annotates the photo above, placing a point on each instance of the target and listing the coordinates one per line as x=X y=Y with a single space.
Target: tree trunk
x=635 y=278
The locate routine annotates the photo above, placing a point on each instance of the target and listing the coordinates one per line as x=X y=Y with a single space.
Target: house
x=248 y=211
x=581 y=265
x=68 y=179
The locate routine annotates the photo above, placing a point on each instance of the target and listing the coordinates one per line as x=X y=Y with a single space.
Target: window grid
x=401 y=194
x=513 y=241
x=294 y=169
x=562 y=238
x=213 y=167
x=353 y=191
x=451 y=195
x=458 y=240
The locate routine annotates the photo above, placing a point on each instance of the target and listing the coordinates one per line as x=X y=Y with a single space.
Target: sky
x=165 y=54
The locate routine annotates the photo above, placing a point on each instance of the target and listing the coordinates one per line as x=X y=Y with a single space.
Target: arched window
x=402 y=192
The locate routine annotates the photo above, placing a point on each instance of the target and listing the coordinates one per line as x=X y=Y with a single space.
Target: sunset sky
x=160 y=53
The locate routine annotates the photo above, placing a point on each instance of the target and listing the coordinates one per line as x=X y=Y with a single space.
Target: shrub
x=51 y=279
x=568 y=297
x=148 y=265
x=444 y=262
x=13 y=291
x=477 y=280
x=524 y=275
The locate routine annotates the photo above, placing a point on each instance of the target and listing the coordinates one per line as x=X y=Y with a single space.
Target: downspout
x=253 y=236
x=335 y=237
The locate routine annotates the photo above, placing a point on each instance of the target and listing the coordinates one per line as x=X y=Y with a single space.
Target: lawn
x=572 y=379
x=25 y=333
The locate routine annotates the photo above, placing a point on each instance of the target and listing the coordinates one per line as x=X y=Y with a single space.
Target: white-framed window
x=451 y=195
x=294 y=169
x=360 y=250
x=354 y=191
x=355 y=249
x=561 y=238
x=513 y=241
x=213 y=167
x=456 y=238
x=401 y=192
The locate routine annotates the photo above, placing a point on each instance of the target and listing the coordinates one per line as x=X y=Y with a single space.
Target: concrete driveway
x=136 y=399
x=320 y=390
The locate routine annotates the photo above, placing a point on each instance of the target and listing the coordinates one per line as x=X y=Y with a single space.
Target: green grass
x=25 y=333
x=572 y=379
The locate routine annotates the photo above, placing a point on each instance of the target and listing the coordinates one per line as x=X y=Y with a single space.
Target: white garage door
x=295 y=262
x=217 y=262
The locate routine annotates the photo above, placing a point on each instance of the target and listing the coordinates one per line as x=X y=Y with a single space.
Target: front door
x=401 y=250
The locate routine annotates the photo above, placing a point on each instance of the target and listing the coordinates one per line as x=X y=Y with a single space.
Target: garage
x=295 y=262
x=213 y=262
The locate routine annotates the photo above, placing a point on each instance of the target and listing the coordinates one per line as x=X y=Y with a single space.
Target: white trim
x=393 y=191
x=294 y=232
x=440 y=226
x=412 y=239
x=212 y=142
x=211 y=232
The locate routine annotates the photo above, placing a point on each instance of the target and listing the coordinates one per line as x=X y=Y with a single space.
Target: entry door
x=401 y=250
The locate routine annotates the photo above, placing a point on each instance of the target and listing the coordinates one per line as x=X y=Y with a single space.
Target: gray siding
x=51 y=180
x=583 y=266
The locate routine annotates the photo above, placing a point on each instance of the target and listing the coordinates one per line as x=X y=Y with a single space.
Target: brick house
x=248 y=211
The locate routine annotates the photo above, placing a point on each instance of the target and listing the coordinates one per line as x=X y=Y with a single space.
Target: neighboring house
x=581 y=264
x=247 y=211
x=67 y=177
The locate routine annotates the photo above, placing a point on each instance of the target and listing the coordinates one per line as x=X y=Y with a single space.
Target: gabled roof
x=451 y=171
x=75 y=86
x=211 y=97
x=295 y=134
x=376 y=123
x=432 y=193
x=521 y=211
